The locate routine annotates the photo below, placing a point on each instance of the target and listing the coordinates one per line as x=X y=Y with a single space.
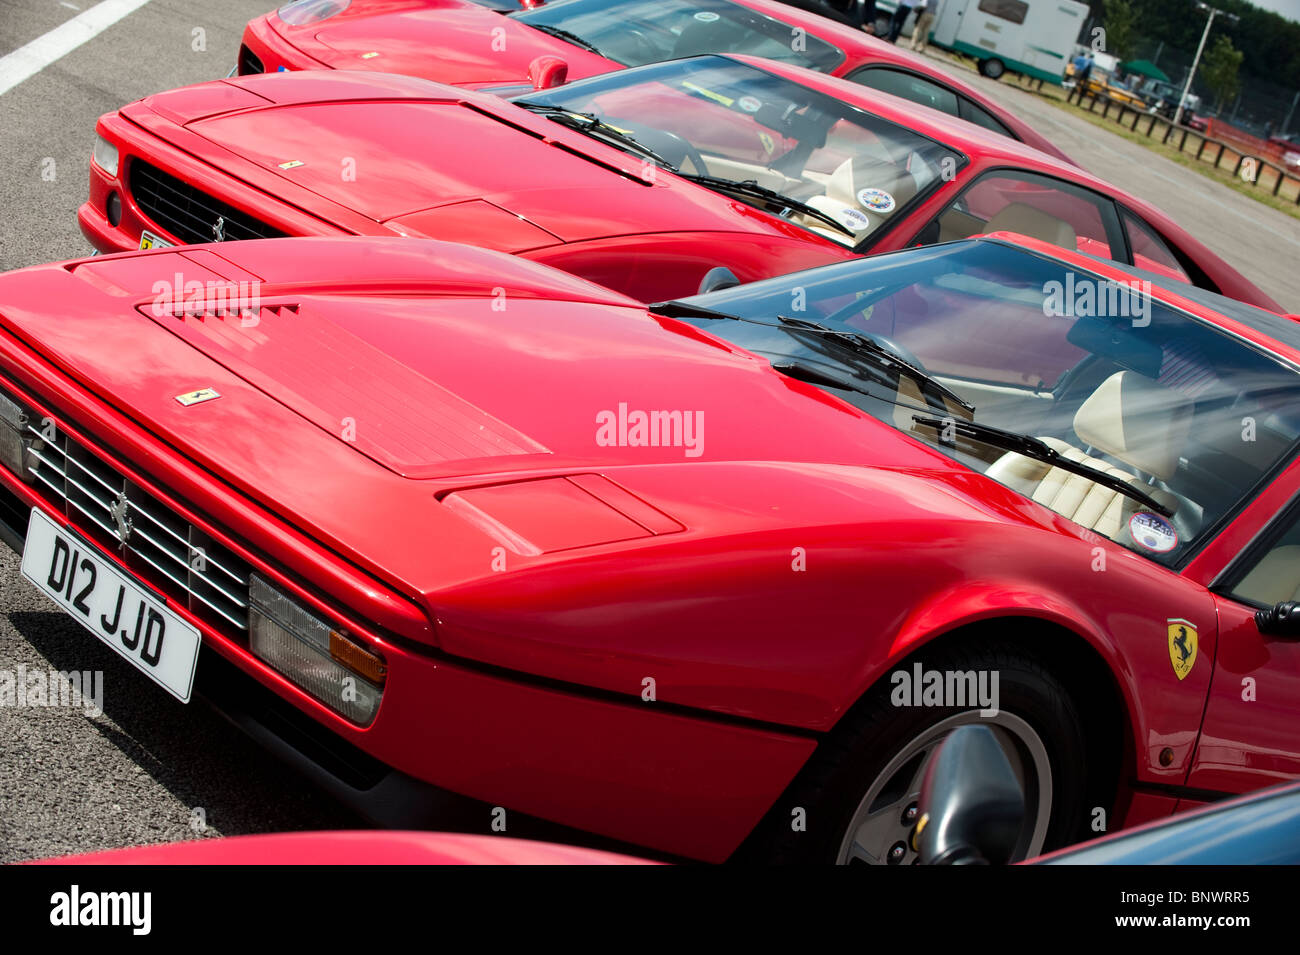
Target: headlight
x=105 y=155
x=13 y=433
x=298 y=12
x=322 y=660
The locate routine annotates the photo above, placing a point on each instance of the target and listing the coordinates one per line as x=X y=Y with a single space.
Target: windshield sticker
x=716 y=97
x=853 y=219
x=1153 y=532
x=877 y=200
x=750 y=104
x=707 y=16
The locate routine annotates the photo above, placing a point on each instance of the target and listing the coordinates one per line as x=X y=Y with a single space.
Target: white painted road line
x=27 y=61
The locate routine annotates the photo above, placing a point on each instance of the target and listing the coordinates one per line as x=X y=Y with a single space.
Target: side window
x=1149 y=250
x=982 y=117
x=1013 y=10
x=1275 y=576
x=1037 y=206
x=909 y=86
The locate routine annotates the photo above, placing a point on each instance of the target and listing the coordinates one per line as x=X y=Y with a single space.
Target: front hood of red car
x=377 y=378
x=403 y=152
x=450 y=43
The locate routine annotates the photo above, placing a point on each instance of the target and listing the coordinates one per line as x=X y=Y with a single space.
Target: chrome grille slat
x=183 y=561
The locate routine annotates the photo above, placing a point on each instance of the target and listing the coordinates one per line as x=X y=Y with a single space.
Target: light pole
x=1205 y=35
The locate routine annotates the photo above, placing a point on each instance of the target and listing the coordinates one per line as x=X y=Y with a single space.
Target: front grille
x=249 y=64
x=189 y=213
x=160 y=546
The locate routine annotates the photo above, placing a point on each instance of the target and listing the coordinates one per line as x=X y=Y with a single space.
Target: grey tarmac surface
x=135 y=774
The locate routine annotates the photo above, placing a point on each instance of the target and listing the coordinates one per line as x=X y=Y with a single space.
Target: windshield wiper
x=750 y=187
x=566 y=35
x=864 y=346
x=1041 y=451
x=677 y=309
x=591 y=123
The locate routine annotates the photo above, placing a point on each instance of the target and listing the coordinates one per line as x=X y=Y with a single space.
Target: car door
x=1250 y=736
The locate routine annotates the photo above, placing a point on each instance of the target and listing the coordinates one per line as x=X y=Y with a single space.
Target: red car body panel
x=579 y=204
x=352 y=848
x=396 y=532
x=464 y=44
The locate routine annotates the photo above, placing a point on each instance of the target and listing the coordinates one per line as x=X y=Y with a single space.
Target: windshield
x=711 y=116
x=1190 y=415
x=636 y=32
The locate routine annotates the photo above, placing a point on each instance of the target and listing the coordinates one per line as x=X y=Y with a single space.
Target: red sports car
x=644 y=180
x=470 y=43
x=712 y=577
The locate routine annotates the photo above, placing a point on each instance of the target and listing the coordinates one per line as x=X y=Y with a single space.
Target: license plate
x=112 y=606
x=150 y=241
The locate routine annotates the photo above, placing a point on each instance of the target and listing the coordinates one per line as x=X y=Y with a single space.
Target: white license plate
x=150 y=241
x=111 y=605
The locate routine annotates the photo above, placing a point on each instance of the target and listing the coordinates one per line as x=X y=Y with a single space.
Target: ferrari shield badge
x=1182 y=647
x=196 y=397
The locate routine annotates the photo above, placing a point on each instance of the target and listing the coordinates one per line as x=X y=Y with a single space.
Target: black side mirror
x=718 y=278
x=972 y=807
x=1280 y=620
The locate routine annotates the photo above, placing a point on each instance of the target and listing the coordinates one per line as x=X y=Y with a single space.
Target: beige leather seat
x=1275 y=579
x=854 y=175
x=1129 y=417
x=1025 y=219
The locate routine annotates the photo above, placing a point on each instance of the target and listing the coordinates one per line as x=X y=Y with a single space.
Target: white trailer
x=1032 y=37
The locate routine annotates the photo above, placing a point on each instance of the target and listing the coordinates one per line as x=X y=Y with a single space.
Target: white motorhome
x=1032 y=37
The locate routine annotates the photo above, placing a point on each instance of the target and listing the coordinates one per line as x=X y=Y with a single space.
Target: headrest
x=1034 y=223
x=890 y=186
x=1138 y=421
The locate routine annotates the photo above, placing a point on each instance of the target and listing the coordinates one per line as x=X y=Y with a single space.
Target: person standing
x=925 y=18
x=900 y=17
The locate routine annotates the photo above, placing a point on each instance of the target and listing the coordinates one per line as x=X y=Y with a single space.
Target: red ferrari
x=712 y=577
x=647 y=180
x=471 y=43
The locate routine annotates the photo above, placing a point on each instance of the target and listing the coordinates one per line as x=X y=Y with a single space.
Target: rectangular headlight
x=105 y=155
x=321 y=659
x=13 y=425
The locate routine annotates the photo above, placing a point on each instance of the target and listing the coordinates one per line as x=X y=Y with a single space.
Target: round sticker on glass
x=877 y=200
x=706 y=16
x=1152 y=532
x=750 y=104
x=853 y=219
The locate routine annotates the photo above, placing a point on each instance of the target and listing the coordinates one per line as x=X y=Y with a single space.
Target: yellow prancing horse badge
x=1182 y=646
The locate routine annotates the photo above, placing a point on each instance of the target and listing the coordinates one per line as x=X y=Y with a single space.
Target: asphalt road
x=137 y=772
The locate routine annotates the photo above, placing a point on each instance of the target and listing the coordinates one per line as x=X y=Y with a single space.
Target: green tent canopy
x=1145 y=68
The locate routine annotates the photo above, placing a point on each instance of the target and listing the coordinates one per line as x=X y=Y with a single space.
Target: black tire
x=854 y=756
x=993 y=68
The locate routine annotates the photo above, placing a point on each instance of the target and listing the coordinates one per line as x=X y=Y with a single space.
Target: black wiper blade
x=591 y=123
x=566 y=35
x=676 y=309
x=1040 y=451
x=750 y=187
x=861 y=345
x=802 y=371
